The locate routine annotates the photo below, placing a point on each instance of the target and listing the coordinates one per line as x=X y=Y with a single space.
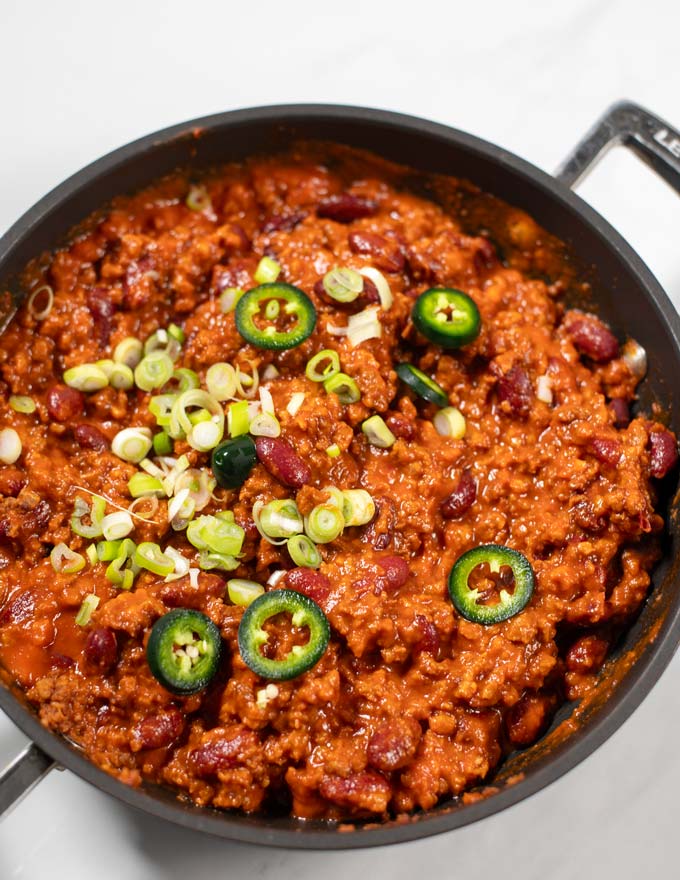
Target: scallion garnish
x=243 y=592
x=117 y=525
x=324 y=523
x=220 y=380
x=303 y=551
x=323 y=366
x=65 y=560
x=86 y=377
x=151 y=557
x=10 y=446
x=89 y=604
x=343 y=285
x=132 y=444
x=358 y=507
x=344 y=387
x=129 y=351
x=267 y=271
x=22 y=404
x=377 y=432
x=450 y=422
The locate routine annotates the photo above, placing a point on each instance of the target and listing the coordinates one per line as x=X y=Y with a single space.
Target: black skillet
x=628 y=297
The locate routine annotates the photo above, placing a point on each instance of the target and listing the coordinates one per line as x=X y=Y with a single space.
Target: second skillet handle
x=23 y=773
x=656 y=142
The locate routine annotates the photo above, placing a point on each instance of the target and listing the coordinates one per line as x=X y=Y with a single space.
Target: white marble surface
x=82 y=78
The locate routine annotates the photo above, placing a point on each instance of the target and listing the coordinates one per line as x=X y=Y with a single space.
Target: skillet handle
x=26 y=771
x=649 y=137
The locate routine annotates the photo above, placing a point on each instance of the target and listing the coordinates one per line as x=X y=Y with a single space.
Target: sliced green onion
x=295 y=402
x=129 y=352
x=160 y=406
x=177 y=333
x=198 y=199
x=106 y=366
x=65 y=560
x=336 y=496
x=86 y=377
x=270 y=372
x=91 y=554
x=22 y=404
x=182 y=564
x=331 y=368
x=243 y=592
x=237 y=418
x=358 y=507
x=266 y=401
x=216 y=534
x=40 y=314
x=333 y=451
x=94 y=513
x=208 y=560
x=265 y=425
x=132 y=444
x=360 y=327
x=281 y=519
x=344 y=387
x=89 y=605
x=121 y=377
x=163 y=341
x=153 y=371
x=220 y=380
x=343 y=285
x=381 y=285
x=229 y=298
x=180 y=423
x=185 y=379
x=199 y=415
x=303 y=551
x=267 y=271
x=205 y=435
x=151 y=557
x=162 y=443
x=324 y=523
x=377 y=432
x=123 y=569
x=450 y=422
x=141 y=485
x=10 y=446
x=108 y=550
x=247 y=385
x=117 y=525
x=200 y=484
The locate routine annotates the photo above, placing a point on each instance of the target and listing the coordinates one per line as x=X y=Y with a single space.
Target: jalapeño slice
x=275 y=315
x=183 y=651
x=446 y=316
x=233 y=460
x=464 y=597
x=304 y=612
x=422 y=384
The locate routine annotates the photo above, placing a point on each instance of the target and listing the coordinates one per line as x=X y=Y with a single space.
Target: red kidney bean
x=527 y=719
x=312 y=583
x=485 y=256
x=90 y=437
x=428 y=642
x=64 y=403
x=592 y=338
x=283 y=462
x=101 y=649
x=158 y=731
x=12 y=481
x=237 y=240
x=38 y=518
x=61 y=661
x=102 y=310
x=381 y=528
x=400 y=426
x=586 y=654
x=462 y=498
x=19 y=609
x=222 y=754
x=663 y=453
x=515 y=388
x=345 y=208
x=605 y=450
x=396 y=574
x=386 y=254
x=620 y=411
x=393 y=744
x=366 y=790
x=283 y=222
